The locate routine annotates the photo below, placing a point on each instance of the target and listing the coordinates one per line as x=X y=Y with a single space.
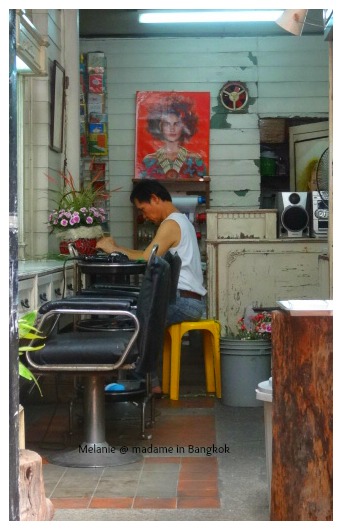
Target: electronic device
x=293 y=217
x=114 y=257
x=319 y=213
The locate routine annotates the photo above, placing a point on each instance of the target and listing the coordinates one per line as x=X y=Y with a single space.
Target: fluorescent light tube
x=246 y=15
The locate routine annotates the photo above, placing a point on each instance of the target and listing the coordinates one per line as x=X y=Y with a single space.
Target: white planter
x=81 y=232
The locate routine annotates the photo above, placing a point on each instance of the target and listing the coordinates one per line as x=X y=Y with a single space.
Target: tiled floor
x=179 y=477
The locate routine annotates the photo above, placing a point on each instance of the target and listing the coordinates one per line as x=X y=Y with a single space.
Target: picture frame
x=158 y=116
x=57 y=107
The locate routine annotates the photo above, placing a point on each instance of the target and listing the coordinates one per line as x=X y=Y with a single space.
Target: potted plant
x=78 y=216
x=255 y=326
x=246 y=358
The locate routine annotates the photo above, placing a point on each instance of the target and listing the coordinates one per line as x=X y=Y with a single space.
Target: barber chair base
x=94 y=455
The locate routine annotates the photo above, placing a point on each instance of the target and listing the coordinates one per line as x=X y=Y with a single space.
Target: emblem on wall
x=234 y=96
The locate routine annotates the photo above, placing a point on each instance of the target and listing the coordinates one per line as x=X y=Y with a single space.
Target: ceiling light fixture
x=246 y=15
x=293 y=20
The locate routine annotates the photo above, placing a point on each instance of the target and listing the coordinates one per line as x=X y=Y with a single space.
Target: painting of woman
x=172 y=140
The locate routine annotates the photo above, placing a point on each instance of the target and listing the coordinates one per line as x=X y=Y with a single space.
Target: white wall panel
x=285 y=76
x=291 y=90
x=40 y=160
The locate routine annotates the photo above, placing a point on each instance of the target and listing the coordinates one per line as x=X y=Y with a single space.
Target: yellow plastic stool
x=172 y=354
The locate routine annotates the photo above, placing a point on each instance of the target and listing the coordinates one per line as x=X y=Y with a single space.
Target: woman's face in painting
x=171 y=127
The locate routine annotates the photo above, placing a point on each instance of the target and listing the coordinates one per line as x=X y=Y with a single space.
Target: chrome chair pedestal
x=95 y=451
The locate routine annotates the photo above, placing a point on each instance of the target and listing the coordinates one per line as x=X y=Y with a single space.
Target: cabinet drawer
x=26 y=296
x=44 y=289
x=69 y=282
x=56 y=286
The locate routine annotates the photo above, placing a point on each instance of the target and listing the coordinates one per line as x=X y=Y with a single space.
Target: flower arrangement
x=255 y=327
x=73 y=218
x=78 y=208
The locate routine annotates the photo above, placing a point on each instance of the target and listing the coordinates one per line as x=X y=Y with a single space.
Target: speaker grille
x=295 y=218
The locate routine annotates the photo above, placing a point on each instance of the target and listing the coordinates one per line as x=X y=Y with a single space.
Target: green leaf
x=30 y=348
x=27 y=374
x=29 y=332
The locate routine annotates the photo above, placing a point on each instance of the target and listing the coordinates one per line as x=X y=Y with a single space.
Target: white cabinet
x=45 y=282
x=244 y=272
x=241 y=224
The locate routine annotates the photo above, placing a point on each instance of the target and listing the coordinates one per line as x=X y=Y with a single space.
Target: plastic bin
x=264 y=393
x=243 y=364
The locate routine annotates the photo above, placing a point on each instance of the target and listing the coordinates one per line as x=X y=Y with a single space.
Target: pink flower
x=75 y=218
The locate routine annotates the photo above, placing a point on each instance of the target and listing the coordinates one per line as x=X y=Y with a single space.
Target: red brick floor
x=185 y=477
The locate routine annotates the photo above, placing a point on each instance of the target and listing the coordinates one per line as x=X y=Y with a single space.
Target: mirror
x=57 y=107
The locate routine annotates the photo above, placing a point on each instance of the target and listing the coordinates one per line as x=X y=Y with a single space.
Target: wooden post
x=302 y=460
x=34 y=506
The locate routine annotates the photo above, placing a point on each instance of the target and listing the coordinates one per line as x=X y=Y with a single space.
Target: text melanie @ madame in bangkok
x=208 y=450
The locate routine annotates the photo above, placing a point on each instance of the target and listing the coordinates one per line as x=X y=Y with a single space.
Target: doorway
x=276 y=153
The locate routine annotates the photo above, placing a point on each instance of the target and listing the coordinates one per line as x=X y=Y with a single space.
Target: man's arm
x=167 y=236
x=107 y=244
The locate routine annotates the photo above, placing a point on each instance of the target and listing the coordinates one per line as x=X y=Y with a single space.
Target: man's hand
x=107 y=244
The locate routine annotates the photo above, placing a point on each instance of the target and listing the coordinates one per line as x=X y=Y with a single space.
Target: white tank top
x=191 y=276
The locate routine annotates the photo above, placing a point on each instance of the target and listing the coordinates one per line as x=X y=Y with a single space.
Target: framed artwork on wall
x=57 y=107
x=172 y=135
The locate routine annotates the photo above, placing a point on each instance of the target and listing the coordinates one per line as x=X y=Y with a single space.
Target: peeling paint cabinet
x=259 y=270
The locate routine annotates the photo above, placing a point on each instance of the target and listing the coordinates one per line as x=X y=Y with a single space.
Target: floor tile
x=178 y=472
x=154 y=503
x=118 y=502
x=194 y=488
x=198 y=502
x=75 y=503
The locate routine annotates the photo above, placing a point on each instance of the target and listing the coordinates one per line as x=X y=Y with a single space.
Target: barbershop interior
x=241 y=426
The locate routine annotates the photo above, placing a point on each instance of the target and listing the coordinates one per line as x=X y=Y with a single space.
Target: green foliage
x=28 y=332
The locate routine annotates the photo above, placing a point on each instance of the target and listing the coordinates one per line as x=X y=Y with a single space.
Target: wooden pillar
x=34 y=506
x=302 y=460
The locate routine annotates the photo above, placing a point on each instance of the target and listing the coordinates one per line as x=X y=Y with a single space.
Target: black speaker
x=293 y=218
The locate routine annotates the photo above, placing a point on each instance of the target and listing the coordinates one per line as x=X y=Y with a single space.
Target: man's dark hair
x=146 y=188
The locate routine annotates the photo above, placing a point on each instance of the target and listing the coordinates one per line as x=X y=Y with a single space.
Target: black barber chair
x=123 y=389
x=97 y=354
x=131 y=292
x=130 y=392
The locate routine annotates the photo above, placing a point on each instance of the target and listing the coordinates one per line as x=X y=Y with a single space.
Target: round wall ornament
x=234 y=96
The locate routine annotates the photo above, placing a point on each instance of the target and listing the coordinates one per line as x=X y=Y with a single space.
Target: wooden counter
x=302 y=455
